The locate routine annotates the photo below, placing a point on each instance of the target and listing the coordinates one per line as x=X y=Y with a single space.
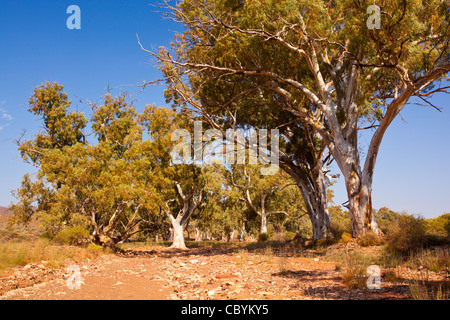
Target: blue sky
x=411 y=174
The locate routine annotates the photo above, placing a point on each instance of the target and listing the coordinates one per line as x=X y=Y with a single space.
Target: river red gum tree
x=323 y=52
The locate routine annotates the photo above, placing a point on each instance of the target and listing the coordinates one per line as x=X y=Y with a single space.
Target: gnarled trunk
x=360 y=206
x=177 y=233
x=190 y=203
x=317 y=209
x=314 y=192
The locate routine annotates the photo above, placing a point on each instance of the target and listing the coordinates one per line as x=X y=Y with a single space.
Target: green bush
x=439 y=226
x=72 y=235
x=289 y=235
x=385 y=218
x=340 y=222
x=407 y=234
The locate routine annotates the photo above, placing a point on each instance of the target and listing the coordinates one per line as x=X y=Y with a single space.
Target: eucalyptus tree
x=226 y=100
x=265 y=195
x=182 y=186
x=85 y=185
x=328 y=61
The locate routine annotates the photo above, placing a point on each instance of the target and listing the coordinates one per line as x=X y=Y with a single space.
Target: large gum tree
x=334 y=68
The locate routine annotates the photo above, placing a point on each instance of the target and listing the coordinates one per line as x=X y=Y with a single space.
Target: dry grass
x=422 y=289
x=390 y=275
x=353 y=268
x=435 y=260
x=21 y=253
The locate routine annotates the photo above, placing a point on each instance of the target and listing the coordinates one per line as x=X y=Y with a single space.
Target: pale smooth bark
x=314 y=195
x=177 y=233
x=190 y=204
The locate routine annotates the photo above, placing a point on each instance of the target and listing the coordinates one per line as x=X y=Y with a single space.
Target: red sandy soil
x=160 y=273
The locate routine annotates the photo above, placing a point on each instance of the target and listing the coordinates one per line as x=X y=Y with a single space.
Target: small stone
x=225 y=276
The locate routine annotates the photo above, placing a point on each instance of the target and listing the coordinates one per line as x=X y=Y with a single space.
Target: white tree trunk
x=313 y=190
x=177 y=234
x=263 y=221
x=360 y=206
x=198 y=235
x=233 y=234
x=183 y=216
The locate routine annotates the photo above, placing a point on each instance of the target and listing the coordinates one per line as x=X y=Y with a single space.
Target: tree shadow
x=309 y=281
x=173 y=252
x=305 y=275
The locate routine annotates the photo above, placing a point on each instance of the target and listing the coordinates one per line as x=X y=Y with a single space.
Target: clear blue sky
x=412 y=172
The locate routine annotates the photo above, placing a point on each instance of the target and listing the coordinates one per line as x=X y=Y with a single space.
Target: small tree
x=264 y=195
x=183 y=186
x=95 y=186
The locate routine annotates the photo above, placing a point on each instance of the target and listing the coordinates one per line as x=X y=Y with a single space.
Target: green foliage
x=407 y=234
x=100 y=188
x=439 y=226
x=346 y=237
x=76 y=235
x=290 y=64
x=289 y=235
x=385 y=218
x=340 y=222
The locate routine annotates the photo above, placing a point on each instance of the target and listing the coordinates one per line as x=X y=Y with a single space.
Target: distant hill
x=4 y=210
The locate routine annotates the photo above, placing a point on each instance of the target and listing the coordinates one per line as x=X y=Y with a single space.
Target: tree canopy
x=321 y=62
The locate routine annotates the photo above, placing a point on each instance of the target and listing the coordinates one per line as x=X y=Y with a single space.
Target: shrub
x=346 y=237
x=72 y=235
x=439 y=226
x=95 y=247
x=435 y=260
x=390 y=275
x=353 y=267
x=407 y=234
x=37 y=251
x=289 y=235
x=424 y=290
x=263 y=237
x=340 y=222
x=370 y=238
x=433 y=240
x=385 y=218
